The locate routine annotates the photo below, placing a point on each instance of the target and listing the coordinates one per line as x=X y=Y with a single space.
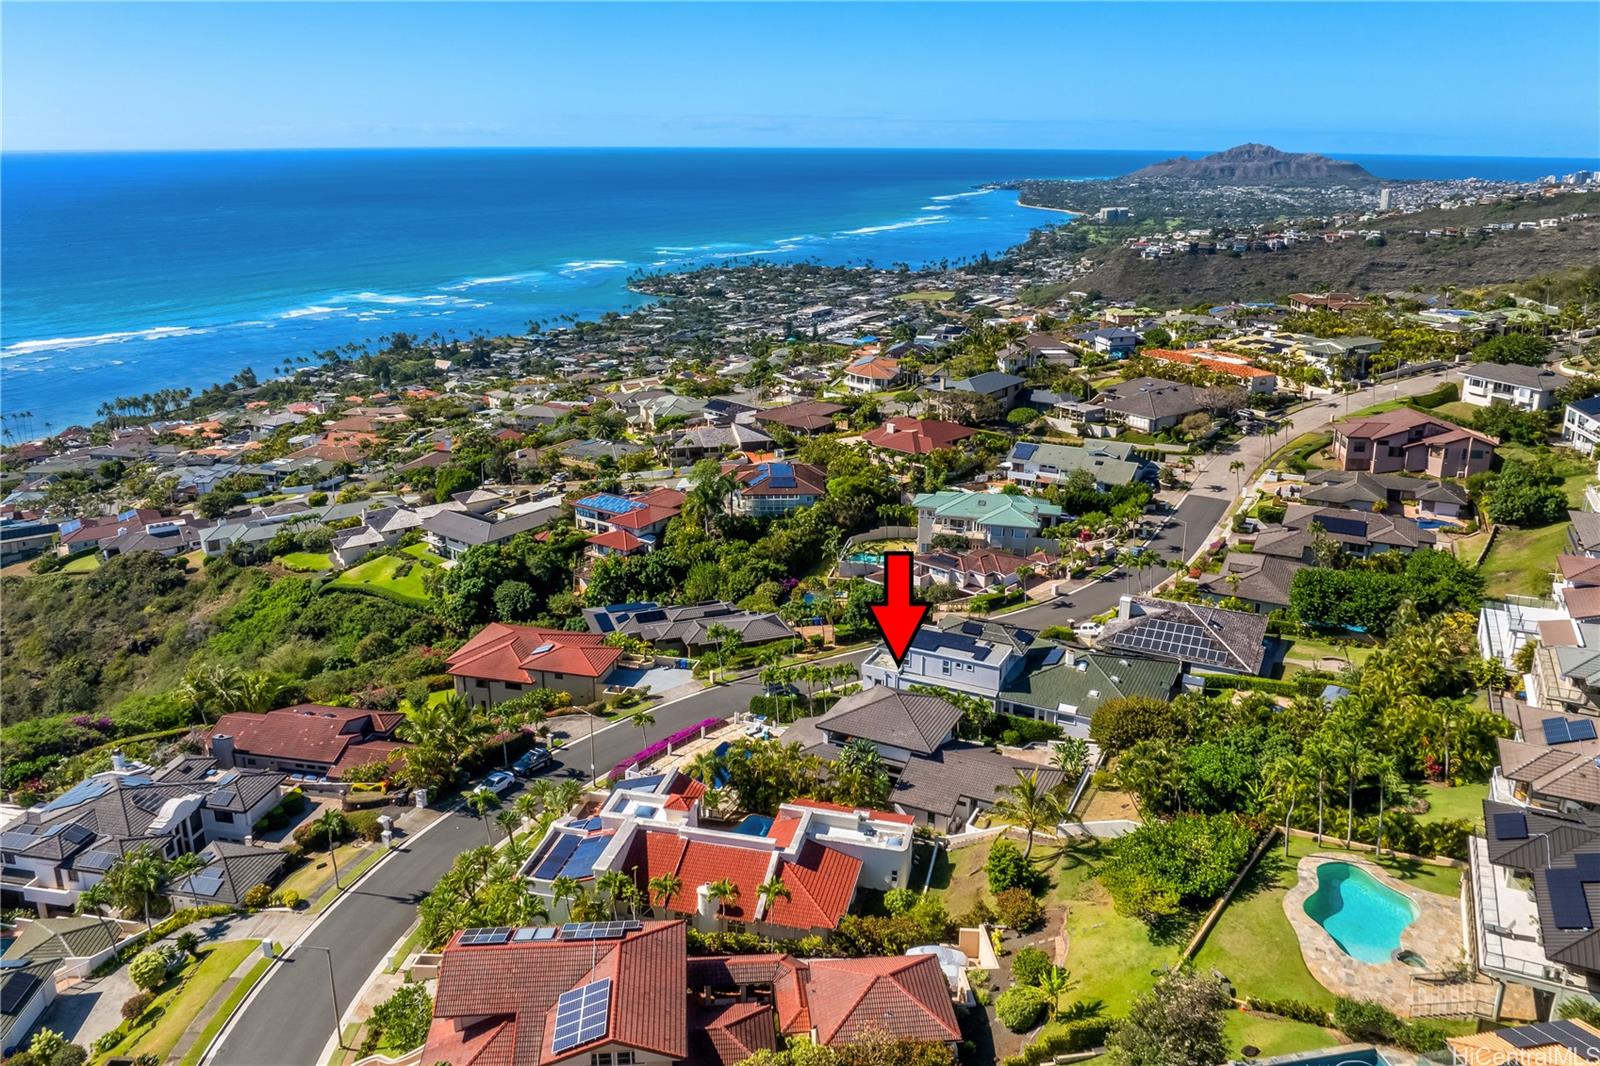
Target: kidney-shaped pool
x=1364 y=916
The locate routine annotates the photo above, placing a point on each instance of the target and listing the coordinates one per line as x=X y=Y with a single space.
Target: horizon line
x=242 y=150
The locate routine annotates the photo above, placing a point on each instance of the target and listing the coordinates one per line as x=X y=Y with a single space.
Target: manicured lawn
x=1521 y=561
x=178 y=1005
x=1274 y=1036
x=1305 y=653
x=958 y=877
x=1110 y=957
x=1462 y=801
x=1304 y=447
x=421 y=551
x=224 y=1012
x=361 y=862
x=306 y=562
x=318 y=871
x=379 y=573
x=1253 y=944
x=84 y=564
x=1460 y=412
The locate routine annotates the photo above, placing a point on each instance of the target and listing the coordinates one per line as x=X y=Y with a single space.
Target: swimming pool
x=1355 y=1056
x=868 y=558
x=754 y=825
x=1363 y=916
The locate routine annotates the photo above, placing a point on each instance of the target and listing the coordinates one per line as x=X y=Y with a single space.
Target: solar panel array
x=1566 y=731
x=1025 y=451
x=556 y=857
x=582 y=1015
x=1570 y=1036
x=598 y=930
x=1567 y=899
x=498 y=935
x=1511 y=826
x=206 y=882
x=533 y=933
x=584 y=856
x=1184 y=641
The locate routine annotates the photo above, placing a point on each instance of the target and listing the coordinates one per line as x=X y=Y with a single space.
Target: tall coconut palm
x=1028 y=805
x=643 y=720
x=612 y=885
x=770 y=891
x=333 y=823
x=509 y=821
x=663 y=887
x=565 y=890
x=722 y=892
x=482 y=801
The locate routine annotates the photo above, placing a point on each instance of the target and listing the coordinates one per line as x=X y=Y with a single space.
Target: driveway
x=658 y=679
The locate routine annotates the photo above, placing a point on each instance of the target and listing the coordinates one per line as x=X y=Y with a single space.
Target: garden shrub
x=148 y=970
x=1029 y=965
x=1006 y=867
x=1081 y=1034
x=1019 y=909
x=257 y=896
x=1021 y=1007
x=1160 y=868
x=1293 y=1009
x=134 y=1006
x=287 y=897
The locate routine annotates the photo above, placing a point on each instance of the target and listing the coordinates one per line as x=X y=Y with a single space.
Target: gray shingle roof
x=938 y=783
x=898 y=719
x=1206 y=638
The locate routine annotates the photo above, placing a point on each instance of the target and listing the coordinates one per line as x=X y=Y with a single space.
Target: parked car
x=532 y=761
x=1089 y=630
x=496 y=782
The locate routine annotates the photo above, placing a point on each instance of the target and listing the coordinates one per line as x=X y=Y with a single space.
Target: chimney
x=222 y=750
x=702 y=901
x=119 y=762
x=1124 y=608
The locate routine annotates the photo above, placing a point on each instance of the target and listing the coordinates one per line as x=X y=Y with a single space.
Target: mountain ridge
x=1256 y=163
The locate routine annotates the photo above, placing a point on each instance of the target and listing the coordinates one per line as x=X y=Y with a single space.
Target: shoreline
x=1040 y=207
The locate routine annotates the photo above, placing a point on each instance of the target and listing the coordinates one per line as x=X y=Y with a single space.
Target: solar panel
x=1567 y=900
x=1588 y=866
x=1511 y=827
x=1555 y=731
x=584 y=857
x=525 y=934
x=15 y=991
x=206 y=882
x=1054 y=655
x=582 y=1015
x=598 y=930
x=1577 y=1039
x=474 y=937
x=1538 y=1034
x=556 y=857
x=1025 y=451
x=1583 y=729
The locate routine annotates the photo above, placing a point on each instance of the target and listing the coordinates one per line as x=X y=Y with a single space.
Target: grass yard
x=84 y=564
x=318 y=871
x=380 y=574
x=1521 y=561
x=224 y=1011
x=420 y=550
x=927 y=296
x=182 y=1001
x=1574 y=470
x=1302 y=447
x=1305 y=653
x=306 y=562
x=1109 y=956
x=1458 y=411
x=1462 y=801
x=1275 y=1036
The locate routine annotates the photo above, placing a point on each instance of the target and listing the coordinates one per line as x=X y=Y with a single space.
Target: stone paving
x=1435 y=936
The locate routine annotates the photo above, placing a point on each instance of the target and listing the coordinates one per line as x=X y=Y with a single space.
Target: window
x=481 y=683
x=514 y=686
x=225 y=817
x=558 y=677
x=944 y=667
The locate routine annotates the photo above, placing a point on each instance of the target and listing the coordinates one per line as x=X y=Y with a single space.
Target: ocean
x=124 y=273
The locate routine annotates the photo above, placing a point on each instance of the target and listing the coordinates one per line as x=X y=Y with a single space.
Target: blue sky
x=1434 y=78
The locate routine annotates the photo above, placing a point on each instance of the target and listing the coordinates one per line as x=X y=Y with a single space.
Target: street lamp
x=338 y=1029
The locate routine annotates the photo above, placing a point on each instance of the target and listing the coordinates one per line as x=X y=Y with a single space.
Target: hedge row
x=1080 y=1035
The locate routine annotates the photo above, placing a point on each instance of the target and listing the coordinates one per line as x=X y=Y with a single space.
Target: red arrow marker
x=897 y=617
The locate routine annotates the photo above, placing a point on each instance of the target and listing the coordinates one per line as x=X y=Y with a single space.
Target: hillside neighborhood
x=519 y=699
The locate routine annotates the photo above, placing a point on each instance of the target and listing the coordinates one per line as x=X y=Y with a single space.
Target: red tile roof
x=617 y=540
x=723 y=1036
x=905 y=996
x=309 y=732
x=875 y=367
x=502 y=652
x=654 y=852
x=1206 y=360
x=821 y=883
x=516 y=985
x=916 y=437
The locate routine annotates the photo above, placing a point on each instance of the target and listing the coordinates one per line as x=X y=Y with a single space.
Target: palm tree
x=139 y=875
x=565 y=889
x=1070 y=756
x=663 y=887
x=1055 y=983
x=722 y=893
x=1291 y=775
x=1236 y=468
x=771 y=890
x=612 y=884
x=442 y=733
x=644 y=720
x=482 y=801
x=333 y=822
x=1388 y=779
x=509 y=820
x=1028 y=805
x=705 y=768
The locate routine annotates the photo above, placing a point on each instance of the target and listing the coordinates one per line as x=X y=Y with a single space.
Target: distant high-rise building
x=1383 y=199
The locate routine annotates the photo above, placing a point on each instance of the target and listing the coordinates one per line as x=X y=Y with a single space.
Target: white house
x=1529 y=388
x=1580 y=428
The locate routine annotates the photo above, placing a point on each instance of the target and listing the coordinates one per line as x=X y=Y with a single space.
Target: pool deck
x=1435 y=935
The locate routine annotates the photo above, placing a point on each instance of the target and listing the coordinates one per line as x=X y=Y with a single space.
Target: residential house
x=1065 y=686
x=960 y=394
x=1203 y=639
x=1328 y=301
x=1339 y=358
x=1580 y=428
x=79 y=942
x=979 y=570
x=966 y=655
x=645 y=515
x=27 y=988
x=452 y=533
x=57 y=849
x=230 y=871
x=1583 y=533
x=307 y=740
x=1114 y=341
x=804 y=417
x=669 y=408
x=949 y=788
x=1051 y=349
x=1358 y=533
x=503 y=660
x=713 y=442
x=1002 y=520
x=686 y=627
x=1527 y=388
x=1357 y=490
x=1409 y=440
x=1565 y=672
x=1109 y=463
x=775 y=487
x=22 y=539
x=913 y=436
x=1236 y=368
x=1015 y=357
x=873 y=373
x=381 y=528
x=1549 y=1043
x=593 y=454
x=1150 y=405
x=898 y=724
x=1259 y=580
